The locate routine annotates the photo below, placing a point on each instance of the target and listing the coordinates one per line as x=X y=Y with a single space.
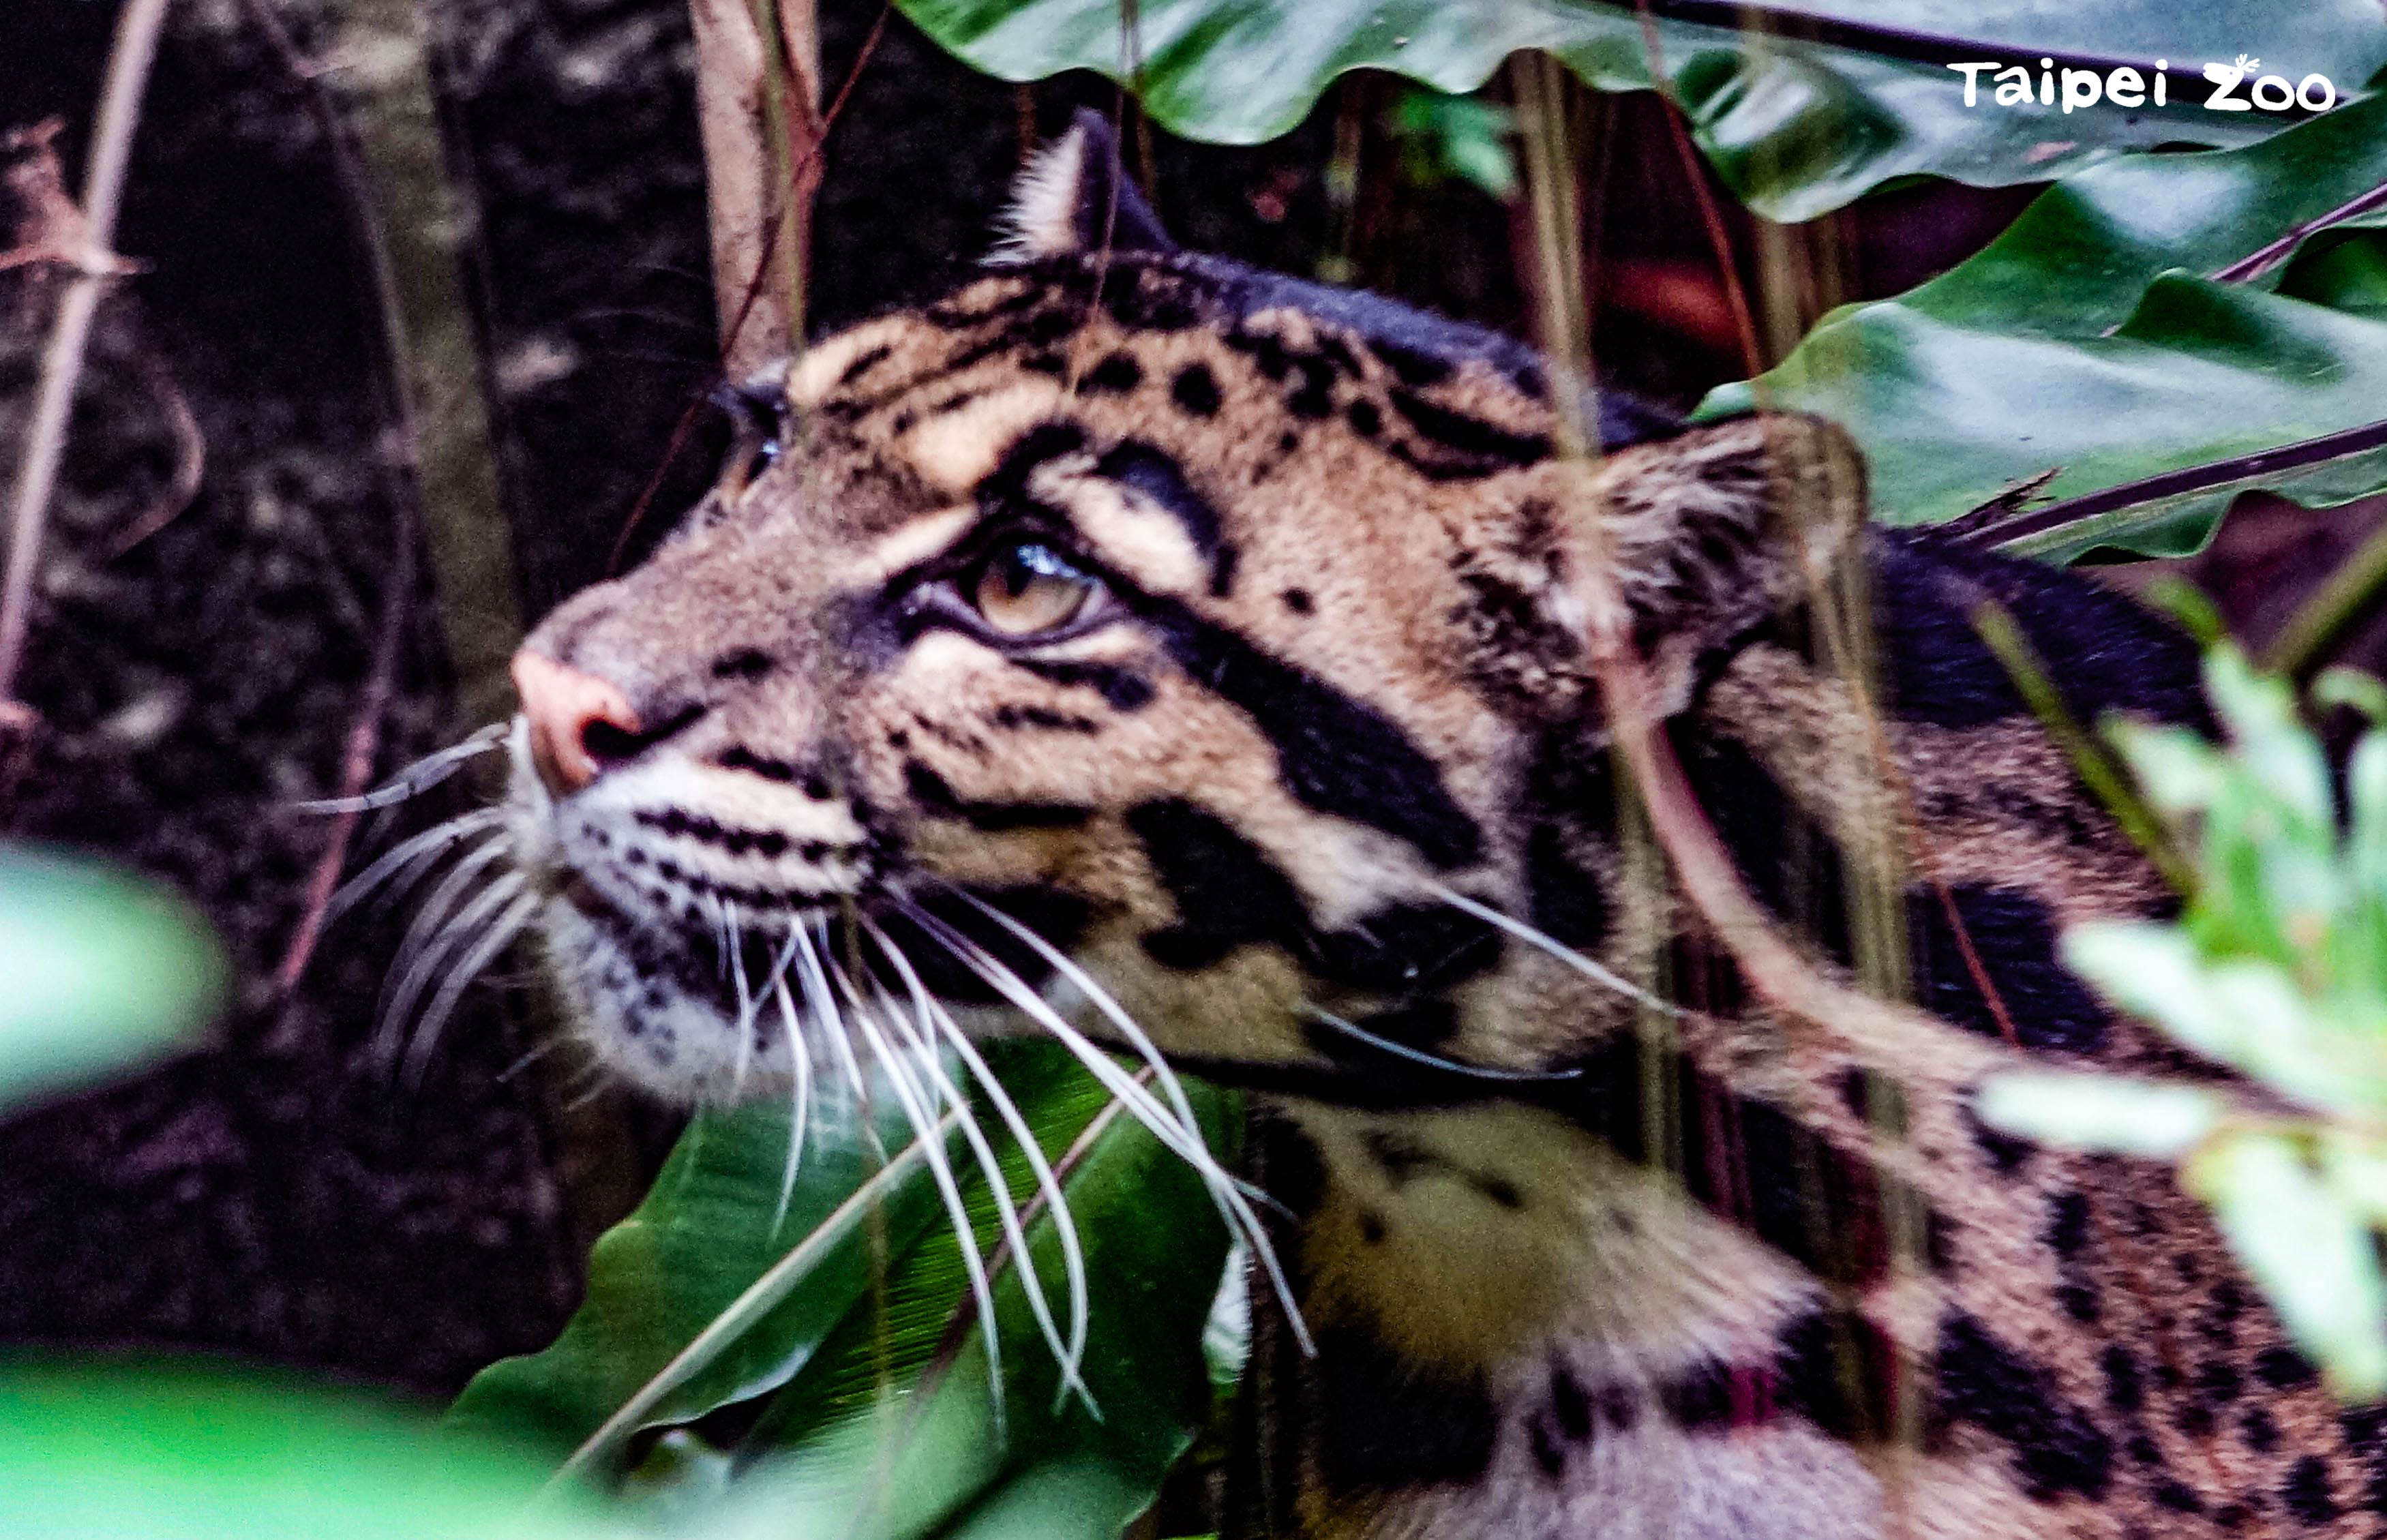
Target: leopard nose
x=573 y=718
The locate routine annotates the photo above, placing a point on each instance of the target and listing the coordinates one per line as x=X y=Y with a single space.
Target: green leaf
x=1795 y=128
x=2074 y=345
x=2100 y=1112
x=2313 y=1257
x=104 y=973
x=180 y=1452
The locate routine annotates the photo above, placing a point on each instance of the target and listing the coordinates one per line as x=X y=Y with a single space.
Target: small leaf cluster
x=2276 y=968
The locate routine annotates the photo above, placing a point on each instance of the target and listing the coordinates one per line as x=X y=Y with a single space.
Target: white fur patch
x=1043 y=218
x=954 y=451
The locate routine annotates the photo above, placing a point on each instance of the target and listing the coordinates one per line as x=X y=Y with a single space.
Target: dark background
x=279 y=1196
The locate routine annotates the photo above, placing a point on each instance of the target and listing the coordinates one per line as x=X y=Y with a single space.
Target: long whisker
x=432 y=917
x=934 y=1017
x=500 y=934
x=1183 y=1138
x=1360 y=1034
x=923 y=1043
x=736 y=956
x=823 y=1009
x=420 y=851
x=416 y=778
x=461 y=930
x=800 y=1093
x=1556 y=948
x=923 y=1121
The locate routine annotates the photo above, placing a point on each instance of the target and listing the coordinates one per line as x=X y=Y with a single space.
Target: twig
x=2257 y=262
x=189 y=462
x=120 y=114
x=2320 y=620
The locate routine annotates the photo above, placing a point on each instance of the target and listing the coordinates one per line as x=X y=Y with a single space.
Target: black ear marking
x=1073 y=197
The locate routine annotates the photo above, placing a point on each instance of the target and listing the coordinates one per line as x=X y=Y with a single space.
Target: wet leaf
x=1796 y=128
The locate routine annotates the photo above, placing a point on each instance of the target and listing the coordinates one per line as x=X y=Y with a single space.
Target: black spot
x=1387 y=1422
x=2229 y=1517
x=1698 y=1398
x=2067 y=1222
x=1565 y=903
x=1014 y=717
x=2177 y=1498
x=1548 y=1452
x=1335 y=753
x=2306 y=1493
x=1125 y=690
x=769 y=769
x=1474 y=448
x=2004 y=1152
x=1315 y=399
x=2218 y=1382
x=1195 y=390
x=2195 y=1420
x=2261 y=1433
x=2079 y=1301
x=1152 y=472
x=1839 y=1370
x=2284 y=1369
x=864 y=362
x=1499 y=1190
x=1054 y=914
x=1222 y=570
x=1298 y=600
x=744 y=664
x=934 y=795
x=2057 y=1448
x=2125 y=1391
x=1365 y=418
x=1287 y=441
x=1371 y=1226
x=1118 y=374
x=2108 y=652
x=2016 y=943
x=1570 y=1408
x=1008 y=481
x=1412 y=366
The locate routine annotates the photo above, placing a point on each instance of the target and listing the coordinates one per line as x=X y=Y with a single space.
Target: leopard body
x=1704 y=1275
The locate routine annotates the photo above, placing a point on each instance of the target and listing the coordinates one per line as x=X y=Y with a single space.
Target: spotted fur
x=1717 y=1278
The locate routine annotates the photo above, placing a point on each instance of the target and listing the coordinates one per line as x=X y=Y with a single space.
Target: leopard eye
x=1024 y=589
x=756 y=444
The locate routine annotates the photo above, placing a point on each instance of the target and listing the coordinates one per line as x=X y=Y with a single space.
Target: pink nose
x=562 y=705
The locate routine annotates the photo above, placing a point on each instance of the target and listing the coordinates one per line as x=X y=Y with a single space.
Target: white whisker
x=923 y=1121
x=419 y=852
x=1184 y=1139
x=934 y=1017
x=736 y=956
x=416 y=778
x=1556 y=948
x=500 y=935
x=799 y=1096
x=1068 y=1353
x=438 y=908
x=461 y=930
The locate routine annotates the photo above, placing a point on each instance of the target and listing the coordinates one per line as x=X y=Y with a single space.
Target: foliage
x=866 y=1392
x=2088 y=340
x=2277 y=967
x=1454 y=137
x=1795 y=128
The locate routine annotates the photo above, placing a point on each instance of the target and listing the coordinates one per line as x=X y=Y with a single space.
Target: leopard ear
x=1073 y=197
x=1721 y=527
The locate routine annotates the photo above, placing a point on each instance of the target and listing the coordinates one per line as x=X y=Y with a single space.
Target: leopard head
x=1127 y=637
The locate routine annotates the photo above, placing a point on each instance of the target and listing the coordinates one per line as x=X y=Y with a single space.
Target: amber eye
x=1026 y=589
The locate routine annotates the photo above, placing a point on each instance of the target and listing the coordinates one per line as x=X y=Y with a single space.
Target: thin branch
x=2055 y=517
x=120 y=114
x=2257 y=263
x=189 y=462
x=2320 y=620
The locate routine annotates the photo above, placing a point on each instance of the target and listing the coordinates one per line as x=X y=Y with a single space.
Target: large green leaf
x=872 y=1359
x=162 y=1452
x=2067 y=347
x=103 y=973
x=1796 y=128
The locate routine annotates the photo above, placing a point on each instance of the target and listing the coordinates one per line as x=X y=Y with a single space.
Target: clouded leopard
x=1170 y=636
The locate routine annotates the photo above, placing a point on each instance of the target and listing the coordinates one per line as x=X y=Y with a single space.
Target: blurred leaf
x=1795 y=128
x=1456 y=136
x=2072 y=343
x=2312 y=1256
x=104 y=973
x=2100 y=1112
x=178 y=1452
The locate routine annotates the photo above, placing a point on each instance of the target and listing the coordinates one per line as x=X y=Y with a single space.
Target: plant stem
x=120 y=113
x=2319 y=620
